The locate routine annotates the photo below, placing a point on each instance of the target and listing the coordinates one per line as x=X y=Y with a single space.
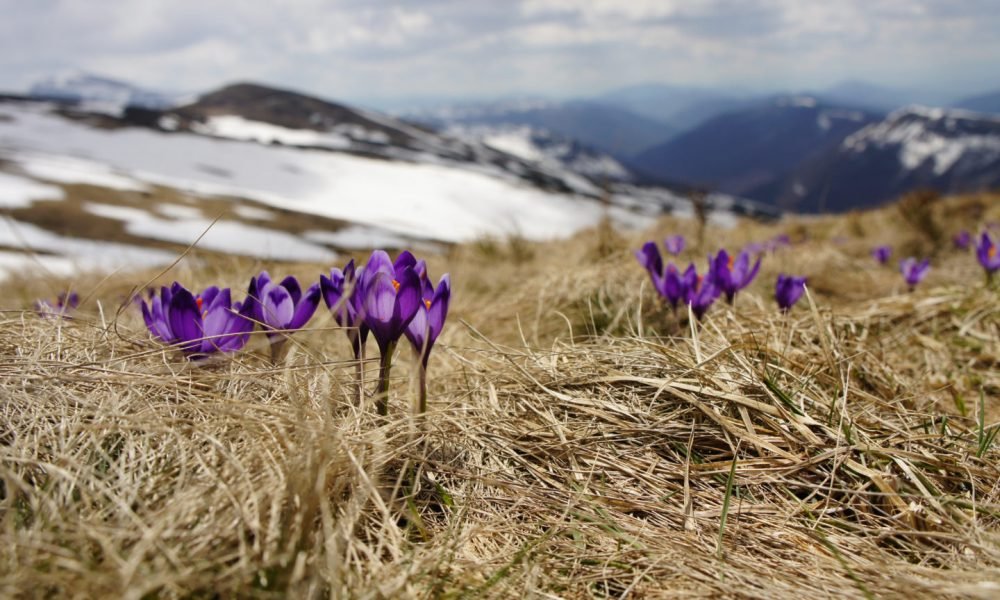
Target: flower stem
x=382 y=391
x=359 y=368
x=422 y=404
x=277 y=345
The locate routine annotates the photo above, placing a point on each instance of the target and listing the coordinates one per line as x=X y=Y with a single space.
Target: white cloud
x=358 y=48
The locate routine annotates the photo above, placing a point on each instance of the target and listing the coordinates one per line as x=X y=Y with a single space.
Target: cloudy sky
x=368 y=50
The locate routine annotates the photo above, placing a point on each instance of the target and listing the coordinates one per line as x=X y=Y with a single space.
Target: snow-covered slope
x=432 y=200
x=280 y=176
x=546 y=150
x=153 y=180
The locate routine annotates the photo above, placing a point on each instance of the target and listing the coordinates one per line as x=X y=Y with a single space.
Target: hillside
x=579 y=441
x=277 y=175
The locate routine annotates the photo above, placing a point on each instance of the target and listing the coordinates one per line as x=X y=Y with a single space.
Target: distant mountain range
x=680 y=107
x=786 y=150
x=616 y=131
x=740 y=151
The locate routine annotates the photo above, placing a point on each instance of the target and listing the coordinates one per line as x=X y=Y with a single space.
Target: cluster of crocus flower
x=726 y=275
x=198 y=324
x=65 y=304
x=387 y=299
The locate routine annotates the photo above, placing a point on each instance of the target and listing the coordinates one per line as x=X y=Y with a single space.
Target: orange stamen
x=992 y=252
x=730 y=263
x=395 y=285
x=427 y=303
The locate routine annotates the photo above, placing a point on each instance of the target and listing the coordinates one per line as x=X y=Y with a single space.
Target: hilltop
x=579 y=442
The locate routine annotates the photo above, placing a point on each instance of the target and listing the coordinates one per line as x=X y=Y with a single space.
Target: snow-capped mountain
x=739 y=151
x=545 y=149
x=99 y=93
x=948 y=150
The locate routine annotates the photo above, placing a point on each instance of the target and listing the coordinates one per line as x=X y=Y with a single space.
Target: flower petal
x=183 y=317
x=277 y=306
x=305 y=308
x=408 y=300
x=294 y=290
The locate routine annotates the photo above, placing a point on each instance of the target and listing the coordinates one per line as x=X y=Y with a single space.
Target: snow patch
x=74 y=254
x=178 y=211
x=69 y=169
x=252 y=213
x=19 y=192
x=237 y=128
x=224 y=236
x=358 y=238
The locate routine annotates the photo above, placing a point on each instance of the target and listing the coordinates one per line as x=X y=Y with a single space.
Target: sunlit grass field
x=581 y=441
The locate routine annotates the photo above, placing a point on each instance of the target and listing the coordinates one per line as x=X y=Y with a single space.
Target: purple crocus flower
x=200 y=324
x=988 y=255
x=962 y=240
x=280 y=306
x=429 y=319
x=669 y=282
x=649 y=258
x=882 y=254
x=428 y=322
x=392 y=295
x=701 y=295
x=62 y=307
x=730 y=275
x=675 y=285
x=347 y=311
x=674 y=244
x=914 y=271
x=788 y=290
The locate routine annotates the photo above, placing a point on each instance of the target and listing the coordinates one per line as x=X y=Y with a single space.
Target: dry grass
x=580 y=443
